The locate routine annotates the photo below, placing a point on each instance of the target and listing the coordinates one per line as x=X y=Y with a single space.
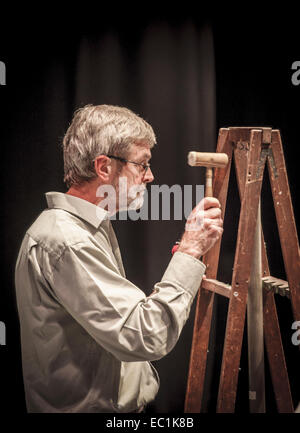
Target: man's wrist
x=191 y=250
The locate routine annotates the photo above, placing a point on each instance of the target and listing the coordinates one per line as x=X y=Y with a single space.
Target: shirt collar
x=77 y=206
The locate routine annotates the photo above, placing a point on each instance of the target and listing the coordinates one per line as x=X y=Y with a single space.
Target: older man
x=87 y=333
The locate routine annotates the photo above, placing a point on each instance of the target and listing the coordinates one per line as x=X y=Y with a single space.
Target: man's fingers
x=215 y=232
x=208 y=223
x=209 y=202
x=213 y=212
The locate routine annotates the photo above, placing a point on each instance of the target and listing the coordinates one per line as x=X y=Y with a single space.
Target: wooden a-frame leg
x=284 y=212
x=240 y=279
x=276 y=358
x=285 y=220
x=204 y=305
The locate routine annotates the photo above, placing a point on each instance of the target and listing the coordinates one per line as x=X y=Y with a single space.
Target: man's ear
x=103 y=168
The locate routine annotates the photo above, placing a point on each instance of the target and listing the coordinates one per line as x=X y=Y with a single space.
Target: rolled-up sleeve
x=114 y=311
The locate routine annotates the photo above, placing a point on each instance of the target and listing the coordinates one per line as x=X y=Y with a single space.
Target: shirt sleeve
x=115 y=312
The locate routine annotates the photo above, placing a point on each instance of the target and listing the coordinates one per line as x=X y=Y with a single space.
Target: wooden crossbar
x=269 y=283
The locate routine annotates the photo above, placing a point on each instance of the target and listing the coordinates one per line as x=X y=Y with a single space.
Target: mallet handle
x=208 y=182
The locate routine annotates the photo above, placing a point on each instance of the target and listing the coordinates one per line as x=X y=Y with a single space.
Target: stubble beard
x=129 y=197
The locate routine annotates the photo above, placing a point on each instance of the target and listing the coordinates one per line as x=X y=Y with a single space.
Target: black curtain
x=162 y=70
x=188 y=74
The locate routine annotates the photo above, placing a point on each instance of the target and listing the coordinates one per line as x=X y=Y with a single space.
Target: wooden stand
x=251 y=147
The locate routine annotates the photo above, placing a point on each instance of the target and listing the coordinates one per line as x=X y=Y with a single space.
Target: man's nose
x=148 y=176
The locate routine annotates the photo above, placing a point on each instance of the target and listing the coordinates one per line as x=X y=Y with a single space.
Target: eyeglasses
x=145 y=166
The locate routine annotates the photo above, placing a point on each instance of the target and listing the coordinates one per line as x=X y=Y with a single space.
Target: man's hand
x=203 y=228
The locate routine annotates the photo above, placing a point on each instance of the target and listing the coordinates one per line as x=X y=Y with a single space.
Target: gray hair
x=101 y=130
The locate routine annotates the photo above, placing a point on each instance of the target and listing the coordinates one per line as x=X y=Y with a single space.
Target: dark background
x=188 y=72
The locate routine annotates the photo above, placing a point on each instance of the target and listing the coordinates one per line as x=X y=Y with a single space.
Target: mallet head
x=207 y=159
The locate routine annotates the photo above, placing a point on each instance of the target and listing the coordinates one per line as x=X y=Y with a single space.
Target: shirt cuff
x=186 y=271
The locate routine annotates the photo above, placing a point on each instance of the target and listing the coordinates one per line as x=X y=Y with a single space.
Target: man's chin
x=136 y=204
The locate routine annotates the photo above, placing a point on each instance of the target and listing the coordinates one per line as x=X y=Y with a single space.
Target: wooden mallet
x=208 y=160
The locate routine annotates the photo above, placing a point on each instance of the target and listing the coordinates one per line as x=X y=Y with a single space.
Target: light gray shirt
x=87 y=333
